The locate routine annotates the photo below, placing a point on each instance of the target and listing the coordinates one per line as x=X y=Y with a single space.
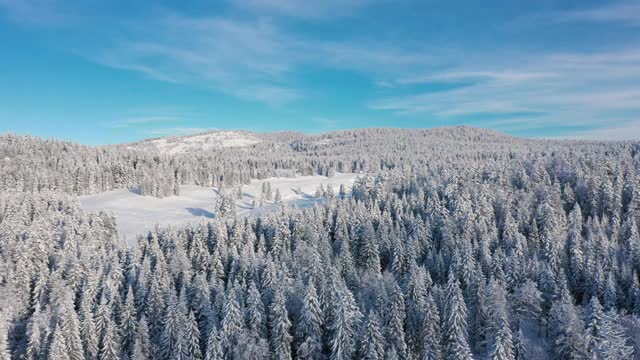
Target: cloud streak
x=253 y=60
x=576 y=89
x=326 y=9
x=626 y=12
x=617 y=132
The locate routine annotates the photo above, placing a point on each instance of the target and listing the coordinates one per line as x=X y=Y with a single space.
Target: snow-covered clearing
x=136 y=214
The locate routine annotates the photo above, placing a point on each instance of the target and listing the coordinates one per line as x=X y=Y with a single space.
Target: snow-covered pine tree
x=309 y=327
x=110 y=347
x=431 y=336
x=503 y=344
x=192 y=338
x=342 y=317
x=279 y=326
x=372 y=342
x=72 y=334
x=57 y=348
x=455 y=323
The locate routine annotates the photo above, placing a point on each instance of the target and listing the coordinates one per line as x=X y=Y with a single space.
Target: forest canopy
x=453 y=243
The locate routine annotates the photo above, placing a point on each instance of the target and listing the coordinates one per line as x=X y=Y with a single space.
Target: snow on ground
x=206 y=141
x=136 y=214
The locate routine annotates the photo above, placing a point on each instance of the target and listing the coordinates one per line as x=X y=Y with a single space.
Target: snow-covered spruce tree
x=615 y=344
x=128 y=322
x=192 y=338
x=58 y=347
x=255 y=312
x=214 y=348
x=171 y=343
x=395 y=326
x=142 y=342
x=278 y=197
x=372 y=342
x=279 y=326
x=232 y=324
x=431 y=335
x=34 y=348
x=72 y=334
x=342 y=318
x=309 y=328
x=110 y=349
x=519 y=346
x=503 y=345
x=226 y=203
x=5 y=352
x=455 y=322
x=89 y=333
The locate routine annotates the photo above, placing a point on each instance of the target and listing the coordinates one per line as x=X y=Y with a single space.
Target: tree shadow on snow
x=201 y=212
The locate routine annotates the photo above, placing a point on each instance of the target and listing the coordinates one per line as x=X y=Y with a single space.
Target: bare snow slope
x=136 y=214
x=211 y=140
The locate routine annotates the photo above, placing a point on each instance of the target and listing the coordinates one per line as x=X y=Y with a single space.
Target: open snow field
x=136 y=214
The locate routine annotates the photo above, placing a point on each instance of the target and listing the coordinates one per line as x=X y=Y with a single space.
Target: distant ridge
x=203 y=141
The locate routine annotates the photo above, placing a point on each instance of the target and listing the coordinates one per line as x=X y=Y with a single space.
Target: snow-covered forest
x=453 y=243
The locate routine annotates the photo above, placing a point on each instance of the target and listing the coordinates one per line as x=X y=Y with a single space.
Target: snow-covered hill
x=211 y=140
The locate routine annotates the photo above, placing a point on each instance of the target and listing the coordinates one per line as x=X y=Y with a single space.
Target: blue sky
x=103 y=72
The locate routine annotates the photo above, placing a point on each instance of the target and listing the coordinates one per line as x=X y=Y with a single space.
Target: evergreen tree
x=137 y=352
x=368 y=255
x=614 y=340
x=231 y=324
x=192 y=336
x=594 y=334
x=278 y=197
x=214 y=349
x=395 y=325
x=171 y=346
x=255 y=312
x=343 y=315
x=279 y=325
x=432 y=337
x=58 y=347
x=502 y=345
x=88 y=330
x=34 y=349
x=455 y=323
x=128 y=322
x=110 y=349
x=142 y=339
x=519 y=346
x=372 y=342
x=610 y=293
x=72 y=334
x=309 y=328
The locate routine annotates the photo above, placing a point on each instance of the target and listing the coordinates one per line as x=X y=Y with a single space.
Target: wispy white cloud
x=505 y=76
x=624 y=131
x=625 y=12
x=241 y=58
x=35 y=12
x=304 y=9
x=620 y=13
x=571 y=89
x=250 y=59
